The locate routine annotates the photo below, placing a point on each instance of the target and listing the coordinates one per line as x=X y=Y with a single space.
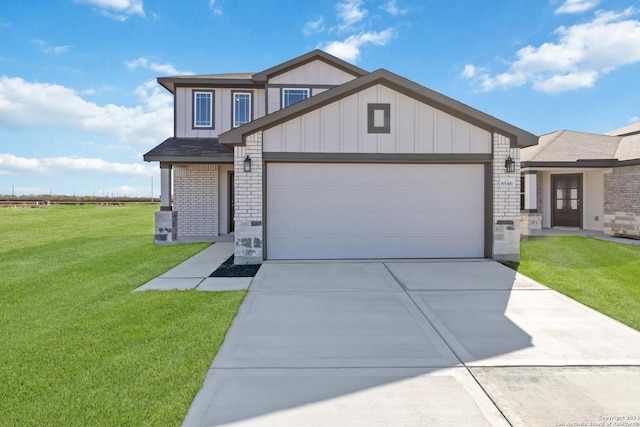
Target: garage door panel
x=282 y=198
x=282 y=224
x=325 y=211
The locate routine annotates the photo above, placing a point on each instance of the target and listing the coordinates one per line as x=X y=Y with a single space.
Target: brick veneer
x=622 y=201
x=506 y=203
x=196 y=200
x=248 y=202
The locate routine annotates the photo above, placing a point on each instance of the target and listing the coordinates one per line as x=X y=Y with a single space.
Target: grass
x=77 y=347
x=602 y=275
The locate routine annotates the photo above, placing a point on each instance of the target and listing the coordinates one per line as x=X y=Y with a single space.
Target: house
x=583 y=180
x=316 y=158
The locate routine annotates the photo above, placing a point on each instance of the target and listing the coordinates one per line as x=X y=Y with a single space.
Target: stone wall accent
x=622 y=202
x=166 y=227
x=248 y=202
x=530 y=224
x=196 y=199
x=506 y=202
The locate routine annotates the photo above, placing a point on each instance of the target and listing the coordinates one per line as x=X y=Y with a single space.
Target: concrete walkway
x=194 y=273
x=416 y=344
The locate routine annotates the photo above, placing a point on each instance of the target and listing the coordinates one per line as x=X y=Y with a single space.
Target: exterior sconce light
x=509 y=165
x=247 y=164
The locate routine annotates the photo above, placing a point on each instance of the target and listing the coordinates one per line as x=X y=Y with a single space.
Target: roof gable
x=264 y=76
x=455 y=108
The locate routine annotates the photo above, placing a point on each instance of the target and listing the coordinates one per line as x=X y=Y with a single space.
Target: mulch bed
x=229 y=269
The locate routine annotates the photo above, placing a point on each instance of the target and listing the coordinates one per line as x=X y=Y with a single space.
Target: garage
x=374 y=210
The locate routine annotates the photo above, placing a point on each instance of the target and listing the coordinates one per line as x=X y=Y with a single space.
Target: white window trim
x=233 y=123
x=284 y=90
x=195 y=103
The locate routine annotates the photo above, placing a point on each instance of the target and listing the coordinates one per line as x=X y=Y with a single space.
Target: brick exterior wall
x=196 y=200
x=506 y=202
x=622 y=202
x=248 y=202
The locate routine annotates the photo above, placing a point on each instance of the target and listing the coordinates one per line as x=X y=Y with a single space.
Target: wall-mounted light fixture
x=247 y=164
x=510 y=165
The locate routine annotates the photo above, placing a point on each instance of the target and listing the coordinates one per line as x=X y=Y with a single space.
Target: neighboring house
x=583 y=180
x=316 y=158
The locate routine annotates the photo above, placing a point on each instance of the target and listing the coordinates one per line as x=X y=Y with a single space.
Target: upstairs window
x=202 y=109
x=241 y=108
x=291 y=96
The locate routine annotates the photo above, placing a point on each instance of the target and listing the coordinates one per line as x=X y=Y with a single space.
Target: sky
x=80 y=104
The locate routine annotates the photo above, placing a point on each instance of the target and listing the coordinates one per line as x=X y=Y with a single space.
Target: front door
x=232 y=198
x=567 y=200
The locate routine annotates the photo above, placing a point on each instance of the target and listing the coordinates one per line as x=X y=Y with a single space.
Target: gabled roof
x=260 y=78
x=519 y=137
x=580 y=149
x=317 y=54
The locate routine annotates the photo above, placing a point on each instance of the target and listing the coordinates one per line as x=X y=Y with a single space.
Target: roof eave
x=221 y=158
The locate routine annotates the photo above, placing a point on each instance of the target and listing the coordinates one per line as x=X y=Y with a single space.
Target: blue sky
x=79 y=103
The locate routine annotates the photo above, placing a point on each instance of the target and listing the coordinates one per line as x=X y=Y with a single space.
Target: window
x=241 y=108
x=202 y=109
x=379 y=118
x=291 y=96
x=522 y=192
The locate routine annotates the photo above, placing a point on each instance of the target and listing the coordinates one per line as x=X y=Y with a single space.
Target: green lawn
x=77 y=347
x=602 y=275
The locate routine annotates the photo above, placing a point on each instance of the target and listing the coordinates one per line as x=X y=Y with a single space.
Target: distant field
x=77 y=347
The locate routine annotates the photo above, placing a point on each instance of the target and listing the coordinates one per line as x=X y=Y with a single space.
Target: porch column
x=165 y=187
x=166 y=219
x=530 y=218
x=531 y=191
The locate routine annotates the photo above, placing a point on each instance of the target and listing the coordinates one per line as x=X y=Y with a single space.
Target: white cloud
x=583 y=53
x=634 y=119
x=392 y=8
x=166 y=69
x=47 y=48
x=119 y=10
x=311 y=27
x=215 y=9
x=59 y=165
x=25 y=105
x=349 y=49
x=576 y=6
x=469 y=71
x=350 y=12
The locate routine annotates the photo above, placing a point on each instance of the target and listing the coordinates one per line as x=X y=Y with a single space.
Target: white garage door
x=334 y=211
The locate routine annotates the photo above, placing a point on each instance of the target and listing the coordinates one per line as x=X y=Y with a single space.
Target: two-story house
x=316 y=158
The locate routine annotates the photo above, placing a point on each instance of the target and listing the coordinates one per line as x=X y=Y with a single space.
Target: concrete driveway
x=417 y=344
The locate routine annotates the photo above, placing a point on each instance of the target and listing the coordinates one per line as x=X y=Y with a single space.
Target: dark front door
x=567 y=200
x=232 y=198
